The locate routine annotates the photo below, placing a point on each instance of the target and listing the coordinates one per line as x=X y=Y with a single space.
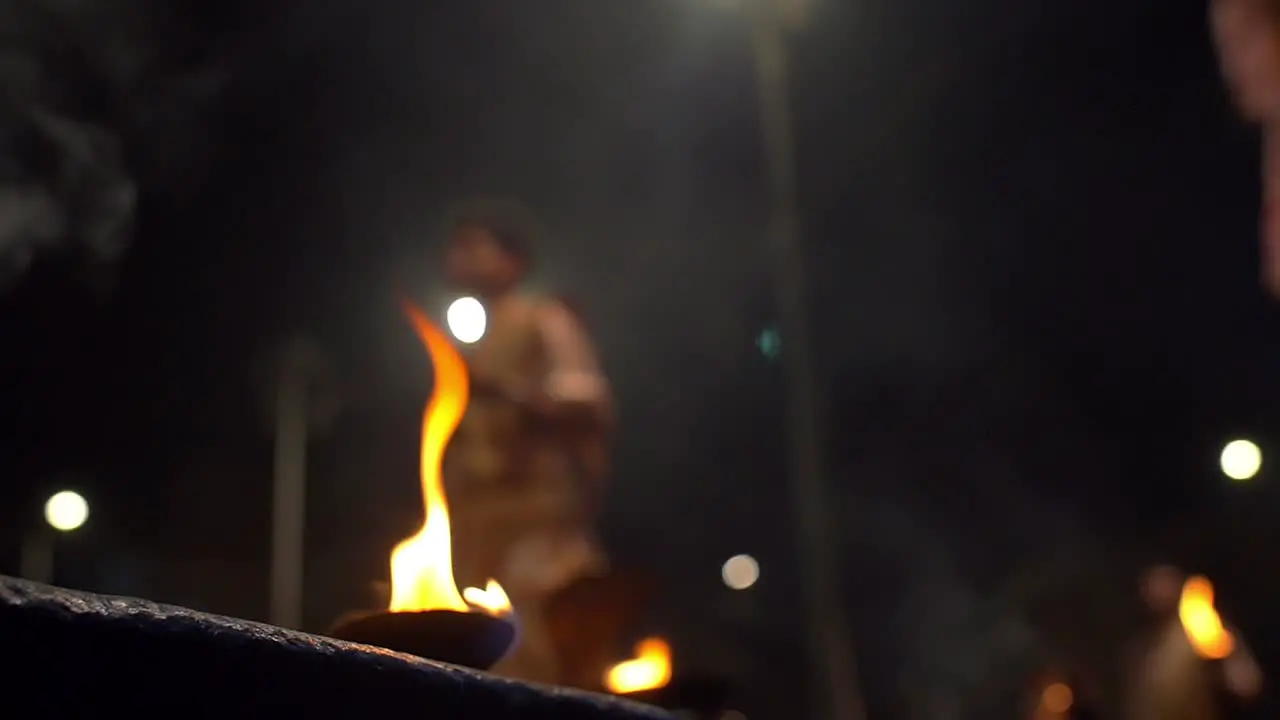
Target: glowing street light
x=740 y=572
x=1241 y=460
x=66 y=511
x=466 y=320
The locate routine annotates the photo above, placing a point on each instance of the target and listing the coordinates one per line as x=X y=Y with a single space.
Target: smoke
x=92 y=96
x=62 y=183
x=955 y=494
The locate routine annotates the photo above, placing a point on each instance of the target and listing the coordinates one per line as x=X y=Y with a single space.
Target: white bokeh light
x=740 y=572
x=66 y=511
x=466 y=319
x=1241 y=460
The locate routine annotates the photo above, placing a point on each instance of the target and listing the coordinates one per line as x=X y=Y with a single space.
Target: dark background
x=1031 y=230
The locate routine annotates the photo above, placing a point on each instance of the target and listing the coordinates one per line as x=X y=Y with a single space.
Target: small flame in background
x=1056 y=701
x=650 y=669
x=422 y=566
x=492 y=599
x=1200 y=620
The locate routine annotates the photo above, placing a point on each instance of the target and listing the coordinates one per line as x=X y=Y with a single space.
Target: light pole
x=301 y=403
x=289 y=494
x=832 y=657
x=63 y=512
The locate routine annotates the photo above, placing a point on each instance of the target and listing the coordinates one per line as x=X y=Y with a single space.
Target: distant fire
x=422 y=566
x=1200 y=620
x=650 y=669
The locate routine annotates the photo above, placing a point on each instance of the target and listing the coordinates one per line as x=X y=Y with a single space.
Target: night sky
x=1031 y=230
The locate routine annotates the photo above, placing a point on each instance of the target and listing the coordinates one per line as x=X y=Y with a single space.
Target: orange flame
x=422 y=565
x=1200 y=620
x=650 y=669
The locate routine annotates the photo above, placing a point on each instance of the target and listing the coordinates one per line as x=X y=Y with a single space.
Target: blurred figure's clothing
x=523 y=488
x=1248 y=43
x=1247 y=35
x=1170 y=682
x=1270 y=217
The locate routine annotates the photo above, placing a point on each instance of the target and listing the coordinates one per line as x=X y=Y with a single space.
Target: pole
x=289 y=502
x=837 y=694
x=36 y=561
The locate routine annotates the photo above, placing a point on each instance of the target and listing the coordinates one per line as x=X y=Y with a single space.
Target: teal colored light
x=770 y=343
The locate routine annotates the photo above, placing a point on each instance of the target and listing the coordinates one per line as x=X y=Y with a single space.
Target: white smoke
x=94 y=96
x=62 y=183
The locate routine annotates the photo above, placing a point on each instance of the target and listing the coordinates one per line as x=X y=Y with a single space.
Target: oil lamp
x=474 y=640
x=428 y=616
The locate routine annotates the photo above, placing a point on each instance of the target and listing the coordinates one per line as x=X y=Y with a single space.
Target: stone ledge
x=74 y=654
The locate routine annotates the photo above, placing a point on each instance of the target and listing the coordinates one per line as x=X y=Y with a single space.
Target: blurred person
x=1168 y=680
x=1247 y=36
x=524 y=472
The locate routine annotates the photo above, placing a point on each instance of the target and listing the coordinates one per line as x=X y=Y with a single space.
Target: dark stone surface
x=71 y=654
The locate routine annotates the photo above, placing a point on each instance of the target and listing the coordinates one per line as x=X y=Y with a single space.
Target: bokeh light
x=1057 y=699
x=769 y=343
x=740 y=572
x=1241 y=460
x=66 y=511
x=466 y=319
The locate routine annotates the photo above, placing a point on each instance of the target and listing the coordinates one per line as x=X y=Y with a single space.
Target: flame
x=492 y=599
x=422 y=565
x=1200 y=620
x=650 y=669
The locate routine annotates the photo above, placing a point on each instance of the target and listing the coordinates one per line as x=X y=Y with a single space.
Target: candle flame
x=1200 y=621
x=650 y=669
x=422 y=565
